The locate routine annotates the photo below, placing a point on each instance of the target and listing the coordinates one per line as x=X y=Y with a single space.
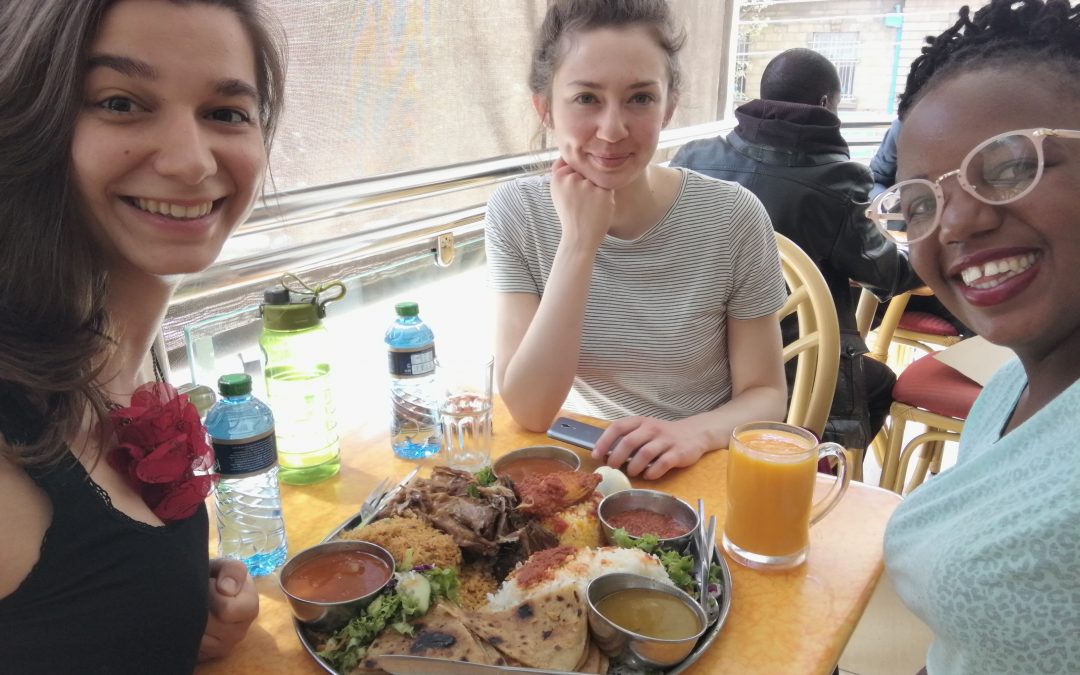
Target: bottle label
x=413 y=362
x=245 y=455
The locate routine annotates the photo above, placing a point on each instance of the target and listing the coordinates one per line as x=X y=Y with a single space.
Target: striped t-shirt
x=654 y=338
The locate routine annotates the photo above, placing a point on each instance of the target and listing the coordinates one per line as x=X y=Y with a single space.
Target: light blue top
x=988 y=553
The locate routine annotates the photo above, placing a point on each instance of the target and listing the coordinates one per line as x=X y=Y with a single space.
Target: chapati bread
x=589 y=660
x=546 y=631
x=438 y=634
x=595 y=660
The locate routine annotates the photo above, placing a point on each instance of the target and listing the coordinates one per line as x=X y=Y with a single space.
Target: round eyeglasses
x=999 y=170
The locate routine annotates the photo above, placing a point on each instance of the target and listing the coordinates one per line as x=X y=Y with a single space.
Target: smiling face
x=609 y=100
x=168 y=154
x=1007 y=271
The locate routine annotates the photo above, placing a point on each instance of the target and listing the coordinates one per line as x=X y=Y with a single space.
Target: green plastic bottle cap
x=235 y=384
x=291 y=316
x=407 y=309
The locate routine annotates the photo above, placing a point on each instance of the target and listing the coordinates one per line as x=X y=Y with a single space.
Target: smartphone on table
x=581 y=434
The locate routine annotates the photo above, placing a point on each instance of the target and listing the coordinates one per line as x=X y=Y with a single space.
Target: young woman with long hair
x=134 y=138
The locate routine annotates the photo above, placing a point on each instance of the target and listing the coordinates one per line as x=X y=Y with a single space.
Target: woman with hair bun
x=624 y=287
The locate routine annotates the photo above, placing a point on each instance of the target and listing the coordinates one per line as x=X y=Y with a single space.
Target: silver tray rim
x=703 y=644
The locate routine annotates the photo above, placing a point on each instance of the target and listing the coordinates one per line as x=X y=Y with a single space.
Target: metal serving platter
x=416 y=665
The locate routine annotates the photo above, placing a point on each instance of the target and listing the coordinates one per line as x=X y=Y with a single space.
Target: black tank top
x=108 y=594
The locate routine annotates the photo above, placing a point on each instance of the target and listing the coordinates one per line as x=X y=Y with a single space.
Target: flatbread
x=590 y=660
x=438 y=634
x=546 y=631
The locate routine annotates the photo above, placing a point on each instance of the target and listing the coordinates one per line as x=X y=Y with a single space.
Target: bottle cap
x=200 y=395
x=407 y=309
x=276 y=295
x=235 y=384
x=280 y=314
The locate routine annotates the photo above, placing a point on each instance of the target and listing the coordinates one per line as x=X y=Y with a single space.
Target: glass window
x=742 y=63
x=386 y=103
x=843 y=50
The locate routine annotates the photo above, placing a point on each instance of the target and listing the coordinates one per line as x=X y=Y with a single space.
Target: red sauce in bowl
x=639 y=522
x=516 y=470
x=337 y=576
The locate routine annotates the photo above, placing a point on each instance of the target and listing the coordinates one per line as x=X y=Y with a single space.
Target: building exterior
x=871 y=42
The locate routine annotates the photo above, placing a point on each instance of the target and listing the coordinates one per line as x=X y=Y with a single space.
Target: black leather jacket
x=794 y=159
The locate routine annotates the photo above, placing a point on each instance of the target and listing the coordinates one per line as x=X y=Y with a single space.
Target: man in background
x=787 y=149
x=883 y=163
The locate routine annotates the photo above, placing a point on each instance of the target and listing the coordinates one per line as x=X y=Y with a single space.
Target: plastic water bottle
x=414 y=425
x=296 y=349
x=250 y=528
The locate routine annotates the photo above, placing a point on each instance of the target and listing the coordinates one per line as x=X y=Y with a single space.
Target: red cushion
x=923 y=322
x=931 y=385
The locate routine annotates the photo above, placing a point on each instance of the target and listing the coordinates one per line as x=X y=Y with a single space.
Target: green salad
x=414 y=592
x=680 y=568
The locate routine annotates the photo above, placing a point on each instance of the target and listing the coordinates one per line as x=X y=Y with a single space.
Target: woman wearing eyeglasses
x=988 y=553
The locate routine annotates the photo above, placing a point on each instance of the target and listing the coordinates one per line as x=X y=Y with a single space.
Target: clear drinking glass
x=465 y=411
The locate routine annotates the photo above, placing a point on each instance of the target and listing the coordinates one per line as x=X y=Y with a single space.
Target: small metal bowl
x=329 y=616
x=649 y=500
x=564 y=455
x=636 y=650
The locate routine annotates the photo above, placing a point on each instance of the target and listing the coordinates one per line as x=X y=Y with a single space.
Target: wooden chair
x=818 y=344
x=927 y=392
x=937 y=396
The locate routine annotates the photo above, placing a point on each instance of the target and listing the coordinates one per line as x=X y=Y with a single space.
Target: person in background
x=988 y=552
x=883 y=163
x=625 y=284
x=883 y=168
x=133 y=140
x=787 y=149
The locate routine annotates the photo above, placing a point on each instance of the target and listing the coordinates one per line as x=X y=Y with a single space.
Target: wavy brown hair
x=55 y=334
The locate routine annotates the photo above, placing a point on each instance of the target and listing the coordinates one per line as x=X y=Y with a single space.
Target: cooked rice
x=577 y=526
x=398 y=535
x=579 y=569
x=476 y=583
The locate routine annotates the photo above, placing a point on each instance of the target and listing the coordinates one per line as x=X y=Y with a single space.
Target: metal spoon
x=708 y=603
x=703 y=556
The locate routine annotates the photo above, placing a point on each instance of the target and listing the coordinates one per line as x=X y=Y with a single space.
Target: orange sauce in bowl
x=337 y=576
x=516 y=470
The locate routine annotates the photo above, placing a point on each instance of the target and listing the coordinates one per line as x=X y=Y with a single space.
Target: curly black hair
x=1005 y=33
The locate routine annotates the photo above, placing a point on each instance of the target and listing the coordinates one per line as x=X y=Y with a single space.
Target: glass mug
x=772 y=469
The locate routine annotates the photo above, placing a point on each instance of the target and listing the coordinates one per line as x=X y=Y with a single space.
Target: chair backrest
x=818 y=345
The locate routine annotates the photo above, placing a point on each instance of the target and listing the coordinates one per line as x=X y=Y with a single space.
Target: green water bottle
x=296 y=352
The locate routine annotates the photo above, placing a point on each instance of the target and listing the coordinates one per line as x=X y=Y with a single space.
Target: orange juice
x=770 y=491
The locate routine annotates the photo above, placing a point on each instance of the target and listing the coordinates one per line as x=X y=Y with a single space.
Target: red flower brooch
x=162 y=449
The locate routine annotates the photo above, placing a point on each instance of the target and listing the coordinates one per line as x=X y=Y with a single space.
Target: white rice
x=579 y=569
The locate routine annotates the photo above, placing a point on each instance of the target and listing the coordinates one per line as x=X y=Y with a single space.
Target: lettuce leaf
x=680 y=568
x=346 y=648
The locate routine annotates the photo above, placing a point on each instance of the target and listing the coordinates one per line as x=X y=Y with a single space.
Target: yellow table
x=780 y=622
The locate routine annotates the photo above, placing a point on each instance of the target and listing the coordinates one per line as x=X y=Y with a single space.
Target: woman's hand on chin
x=234 y=604
x=585 y=209
x=650 y=447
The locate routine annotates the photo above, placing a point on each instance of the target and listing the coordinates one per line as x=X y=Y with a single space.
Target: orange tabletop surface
x=780 y=622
